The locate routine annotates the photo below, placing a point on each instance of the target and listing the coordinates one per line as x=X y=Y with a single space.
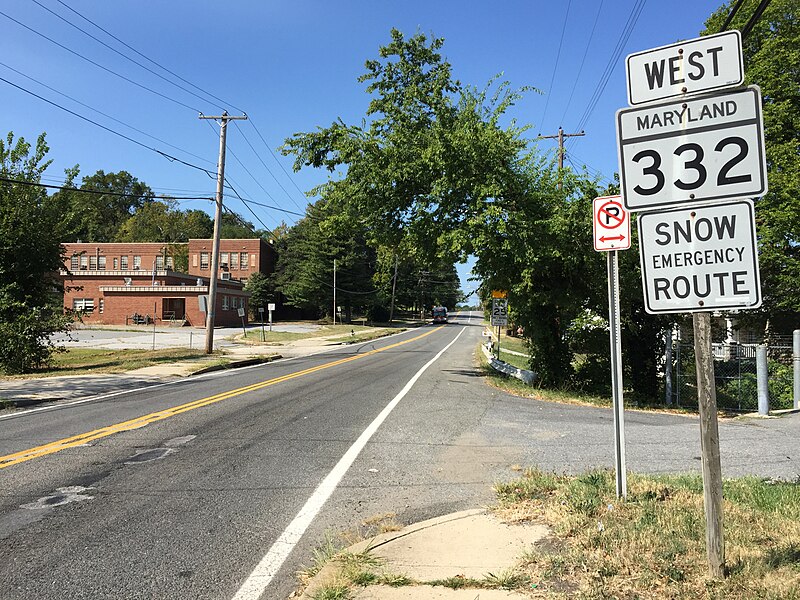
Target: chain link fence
x=735 y=373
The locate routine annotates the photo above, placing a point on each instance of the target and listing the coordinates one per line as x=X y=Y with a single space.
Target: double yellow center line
x=90 y=436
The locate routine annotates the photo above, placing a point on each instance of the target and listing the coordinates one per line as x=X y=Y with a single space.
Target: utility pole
x=212 y=280
x=334 y=291
x=394 y=287
x=560 y=137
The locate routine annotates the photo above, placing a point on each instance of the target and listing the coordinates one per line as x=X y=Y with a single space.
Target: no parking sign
x=611 y=224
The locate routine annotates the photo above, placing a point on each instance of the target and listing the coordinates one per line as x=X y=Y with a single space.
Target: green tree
x=772 y=61
x=30 y=257
x=105 y=202
x=305 y=263
x=262 y=291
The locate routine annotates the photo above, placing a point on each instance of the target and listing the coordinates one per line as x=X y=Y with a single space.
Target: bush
x=26 y=340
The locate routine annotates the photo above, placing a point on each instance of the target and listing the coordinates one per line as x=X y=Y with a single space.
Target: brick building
x=118 y=283
x=238 y=259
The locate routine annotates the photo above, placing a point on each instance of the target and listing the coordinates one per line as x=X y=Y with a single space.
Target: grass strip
x=653 y=544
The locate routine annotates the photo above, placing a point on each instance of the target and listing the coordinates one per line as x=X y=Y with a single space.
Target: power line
x=731 y=14
x=169 y=157
x=126 y=57
x=97 y=192
x=207 y=93
x=756 y=16
x=52 y=89
x=583 y=60
x=555 y=66
x=267 y=168
x=276 y=158
x=98 y=65
x=633 y=17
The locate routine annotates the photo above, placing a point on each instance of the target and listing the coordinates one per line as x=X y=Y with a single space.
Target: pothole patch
x=63 y=496
x=179 y=441
x=149 y=455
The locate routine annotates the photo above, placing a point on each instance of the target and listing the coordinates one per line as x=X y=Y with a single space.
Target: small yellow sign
x=499 y=293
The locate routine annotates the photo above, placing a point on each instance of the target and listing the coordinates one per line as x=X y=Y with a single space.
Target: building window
x=137 y=263
x=84 y=262
x=116 y=264
x=225 y=304
x=101 y=263
x=74 y=262
x=160 y=262
x=84 y=305
x=234 y=261
x=244 y=257
x=223 y=260
x=93 y=263
x=204 y=260
x=194 y=260
x=100 y=306
x=170 y=263
x=123 y=263
x=253 y=262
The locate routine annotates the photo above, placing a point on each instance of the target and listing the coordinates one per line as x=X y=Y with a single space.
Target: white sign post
x=499 y=318
x=700 y=259
x=612 y=231
x=699 y=65
x=701 y=149
x=270 y=308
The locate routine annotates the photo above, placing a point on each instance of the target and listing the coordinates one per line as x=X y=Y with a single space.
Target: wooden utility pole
x=709 y=443
x=212 y=280
x=560 y=137
x=394 y=287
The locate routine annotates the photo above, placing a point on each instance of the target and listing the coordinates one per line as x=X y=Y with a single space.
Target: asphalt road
x=180 y=490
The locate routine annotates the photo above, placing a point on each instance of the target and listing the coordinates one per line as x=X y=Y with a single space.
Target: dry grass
x=80 y=361
x=653 y=545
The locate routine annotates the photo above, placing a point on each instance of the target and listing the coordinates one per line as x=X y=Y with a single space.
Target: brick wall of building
x=240 y=258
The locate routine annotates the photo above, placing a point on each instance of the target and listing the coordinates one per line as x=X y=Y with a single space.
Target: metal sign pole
x=616 y=374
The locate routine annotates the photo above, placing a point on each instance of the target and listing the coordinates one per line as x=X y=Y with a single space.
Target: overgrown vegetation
x=653 y=544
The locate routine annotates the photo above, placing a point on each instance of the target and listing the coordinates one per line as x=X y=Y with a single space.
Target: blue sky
x=292 y=66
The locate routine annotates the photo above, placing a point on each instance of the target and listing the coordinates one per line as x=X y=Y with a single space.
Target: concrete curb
x=498 y=365
x=331 y=569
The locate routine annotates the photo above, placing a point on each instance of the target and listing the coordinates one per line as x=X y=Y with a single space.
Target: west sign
x=700 y=259
x=701 y=149
x=700 y=65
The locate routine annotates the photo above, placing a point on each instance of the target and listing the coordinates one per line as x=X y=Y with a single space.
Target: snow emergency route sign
x=611 y=224
x=700 y=259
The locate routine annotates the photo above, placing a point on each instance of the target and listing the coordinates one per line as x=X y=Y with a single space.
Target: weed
x=337 y=591
x=509 y=579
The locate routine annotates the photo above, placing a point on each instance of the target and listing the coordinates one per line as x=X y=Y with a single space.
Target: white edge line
x=258 y=580
x=209 y=375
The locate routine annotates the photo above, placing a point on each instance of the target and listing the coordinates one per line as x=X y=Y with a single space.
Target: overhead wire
x=125 y=56
x=633 y=18
x=555 y=66
x=98 y=111
x=95 y=192
x=289 y=177
x=258 y=156
x=117 y=133
x=731 y=14
x=755 y=17
x=583 y=61
x=98 y=65
x=108 y=33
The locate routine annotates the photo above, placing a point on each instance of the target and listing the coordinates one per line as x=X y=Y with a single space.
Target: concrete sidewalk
x=472 y=548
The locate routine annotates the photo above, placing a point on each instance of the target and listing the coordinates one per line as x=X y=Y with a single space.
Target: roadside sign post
x=261 y=315
x=270 y=308
x=241 y=312
x=677 y=157
x=612 y=232
x=499 y=316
